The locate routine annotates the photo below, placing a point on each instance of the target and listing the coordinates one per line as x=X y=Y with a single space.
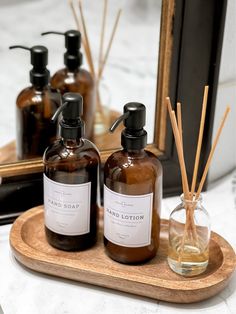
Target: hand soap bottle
x=74 y=79
x=71 y=167
x=35 y=106
x=132 y=193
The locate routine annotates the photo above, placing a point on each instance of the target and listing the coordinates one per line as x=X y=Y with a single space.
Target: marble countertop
x=23 y=291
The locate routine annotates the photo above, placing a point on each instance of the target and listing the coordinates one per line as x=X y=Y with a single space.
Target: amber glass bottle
x=35 y=106
x=132 y=193
x=71 y=167
x=74 y=79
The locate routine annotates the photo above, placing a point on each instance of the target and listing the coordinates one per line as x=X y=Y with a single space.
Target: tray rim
x=23 y=253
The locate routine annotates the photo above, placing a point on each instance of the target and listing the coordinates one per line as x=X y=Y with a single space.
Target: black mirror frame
x=198 y=36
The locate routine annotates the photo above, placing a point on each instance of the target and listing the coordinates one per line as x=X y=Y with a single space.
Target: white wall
x=224 y=159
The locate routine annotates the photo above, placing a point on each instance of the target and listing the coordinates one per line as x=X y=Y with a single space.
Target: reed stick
x=189 y=211
x=101 y=46
x=90 y=59
x=81 y=31
x=109 y=45
x=180 y=155
x=86 y=38
x=104 y=16
x=189 y=225
x=199 y=144
x=179 y=149
x=212 y=152
x=75 y=15
x=179 y=119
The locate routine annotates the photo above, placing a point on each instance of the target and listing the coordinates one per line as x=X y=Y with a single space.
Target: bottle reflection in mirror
x=35 y=106
x=73 y=78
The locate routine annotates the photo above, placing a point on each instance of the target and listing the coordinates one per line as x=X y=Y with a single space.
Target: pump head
x=39 y=75
x=133 y=137
x=72 y=126
x=73 y=56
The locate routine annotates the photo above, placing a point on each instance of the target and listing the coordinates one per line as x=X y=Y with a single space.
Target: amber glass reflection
x=79 y=81
x=135 y=173
x=74 y=162
x=34 y=110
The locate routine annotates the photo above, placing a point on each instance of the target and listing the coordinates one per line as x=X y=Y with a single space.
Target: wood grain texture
x=153 y=279
x=8 y=153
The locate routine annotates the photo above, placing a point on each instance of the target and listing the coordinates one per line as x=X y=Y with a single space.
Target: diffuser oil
x=189 y=235
x=189 y=260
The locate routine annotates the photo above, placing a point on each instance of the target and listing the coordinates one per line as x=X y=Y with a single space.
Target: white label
x=127 y=218
x=67 y=207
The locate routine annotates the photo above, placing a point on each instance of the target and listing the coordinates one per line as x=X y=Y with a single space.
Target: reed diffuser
x=102 y=116
x=189 y=223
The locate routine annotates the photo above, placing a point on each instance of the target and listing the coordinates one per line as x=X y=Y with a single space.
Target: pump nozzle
x=118 y=121
x=72 y=57
x=133 y=136
x=59 y=110
x=52 y=32
x=72 y=126
x=39 y=75
x=19 y=46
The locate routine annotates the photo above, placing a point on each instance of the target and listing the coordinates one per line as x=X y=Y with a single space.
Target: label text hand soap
x=71 y=167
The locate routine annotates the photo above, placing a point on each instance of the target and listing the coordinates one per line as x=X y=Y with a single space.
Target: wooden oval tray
x=153 y=279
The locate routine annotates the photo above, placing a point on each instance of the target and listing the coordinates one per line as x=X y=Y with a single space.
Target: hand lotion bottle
x=132 y=193
x=71 y=168
x=35 y=106
x=73 y=78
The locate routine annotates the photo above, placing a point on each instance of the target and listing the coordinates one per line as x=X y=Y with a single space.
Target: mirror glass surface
x=129 y=75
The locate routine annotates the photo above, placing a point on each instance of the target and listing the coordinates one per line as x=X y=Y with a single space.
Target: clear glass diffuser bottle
x=189 y=236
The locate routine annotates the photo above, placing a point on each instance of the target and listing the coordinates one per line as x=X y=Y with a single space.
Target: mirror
x=130 y=74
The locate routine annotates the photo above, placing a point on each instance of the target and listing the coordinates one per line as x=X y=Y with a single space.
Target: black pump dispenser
x=72 y=57
x=72 y=126
x=39 y=75
x=133 y=137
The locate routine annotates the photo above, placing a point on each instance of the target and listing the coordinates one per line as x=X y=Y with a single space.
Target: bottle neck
x=194 y=202
x=72 y=71
x=40 y=78
x=39 y=88
x=73 y=61
x=71 y=131
x=134 y=140
x=72 y=143
x=134 y=152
